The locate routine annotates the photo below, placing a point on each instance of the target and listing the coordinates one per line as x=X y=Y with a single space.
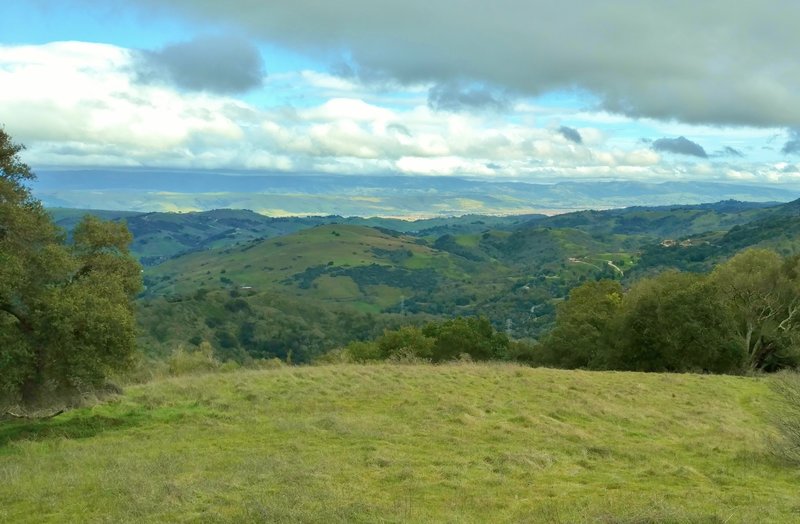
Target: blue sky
x=513 y=90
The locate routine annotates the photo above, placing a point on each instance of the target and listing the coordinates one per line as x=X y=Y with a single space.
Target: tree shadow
x=76 y=427
x=83 y=424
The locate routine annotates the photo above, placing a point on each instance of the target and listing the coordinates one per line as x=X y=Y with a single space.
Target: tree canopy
x=743 y=316
x=66 y=312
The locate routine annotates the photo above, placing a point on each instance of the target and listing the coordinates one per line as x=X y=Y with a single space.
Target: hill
x=305 y=292
x=159 y=236
x=303 y=284
x=776 y=228
x=451 y=443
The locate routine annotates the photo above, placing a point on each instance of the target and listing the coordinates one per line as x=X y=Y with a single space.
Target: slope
x=451 y=443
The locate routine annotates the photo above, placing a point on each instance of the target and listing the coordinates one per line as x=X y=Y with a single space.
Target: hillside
x=159 y=236
x=454 y=443
x=776 y=228
x=305 y=293
x=302 y=287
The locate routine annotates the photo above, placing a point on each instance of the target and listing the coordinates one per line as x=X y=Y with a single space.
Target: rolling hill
x=217 y=275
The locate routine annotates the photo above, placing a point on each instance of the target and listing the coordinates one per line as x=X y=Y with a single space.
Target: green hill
x=306 y=261
x=306 y=292
x=776 y=228
x=266 y=286
x=159 y=236
x=450 y=443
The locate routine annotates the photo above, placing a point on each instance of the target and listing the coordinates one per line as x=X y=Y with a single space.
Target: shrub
x=473 y=336
x=406 y=342
x=785 y=417
x=358 y=351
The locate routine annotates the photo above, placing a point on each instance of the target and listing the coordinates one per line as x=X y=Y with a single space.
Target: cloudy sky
x=513 y=89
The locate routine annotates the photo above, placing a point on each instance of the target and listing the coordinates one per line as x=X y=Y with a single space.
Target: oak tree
x=66 y=310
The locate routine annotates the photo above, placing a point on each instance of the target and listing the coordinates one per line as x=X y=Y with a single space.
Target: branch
x=8 y=308
x=793 y=309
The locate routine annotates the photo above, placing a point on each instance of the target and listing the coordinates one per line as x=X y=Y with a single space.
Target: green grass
x=454 y=443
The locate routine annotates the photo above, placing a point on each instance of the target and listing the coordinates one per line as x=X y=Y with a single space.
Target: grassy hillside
x=160 y=236
x=454 y=443
x=357 y=270
x=301 y=259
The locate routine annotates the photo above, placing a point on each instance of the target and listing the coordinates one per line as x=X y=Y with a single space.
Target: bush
x=473 y=336
x=405 y=343
x=785 y=418
x=361 y=352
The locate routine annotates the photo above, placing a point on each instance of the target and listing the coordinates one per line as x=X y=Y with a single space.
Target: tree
x=473 y=336
x=762 y=293
x=66 y=311
x=406 y=341
x=674 y=322
x=583 y=333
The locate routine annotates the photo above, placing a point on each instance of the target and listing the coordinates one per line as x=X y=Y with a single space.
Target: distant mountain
x=277 y=194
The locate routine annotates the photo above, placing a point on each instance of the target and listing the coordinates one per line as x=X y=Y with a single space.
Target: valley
x=272 y=287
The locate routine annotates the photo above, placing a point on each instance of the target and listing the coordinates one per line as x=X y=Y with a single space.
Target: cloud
x=792 y=145
x=725 y=69
x=399 y=128
x=457 y=96
x=730 y=151
x=679 y=146
x=99 y=114
x=570 y=134
x=222 y=64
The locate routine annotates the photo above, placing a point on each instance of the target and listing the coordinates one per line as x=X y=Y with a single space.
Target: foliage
x=674 y=322
x=761 y=291
x=582 y=335
x=405 y=341
x=201 y=360
x=357 y=351
x=471 y=337
x=744 y=316
x=785 y=416
x=66 y=314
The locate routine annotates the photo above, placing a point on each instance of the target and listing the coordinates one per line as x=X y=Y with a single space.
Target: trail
x=613 y=265
x=576 y=261
x=609 y=262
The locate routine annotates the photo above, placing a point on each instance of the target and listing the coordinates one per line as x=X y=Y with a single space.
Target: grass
x=383 y=443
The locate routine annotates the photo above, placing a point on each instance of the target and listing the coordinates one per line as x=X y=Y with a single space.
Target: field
x=405 y=443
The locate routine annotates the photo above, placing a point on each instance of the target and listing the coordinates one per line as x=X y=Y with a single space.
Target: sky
x=529 y=90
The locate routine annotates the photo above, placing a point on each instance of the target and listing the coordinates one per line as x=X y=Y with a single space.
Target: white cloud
x=77 y=103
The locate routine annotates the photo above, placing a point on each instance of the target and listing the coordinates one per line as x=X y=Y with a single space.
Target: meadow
x=406 y=443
